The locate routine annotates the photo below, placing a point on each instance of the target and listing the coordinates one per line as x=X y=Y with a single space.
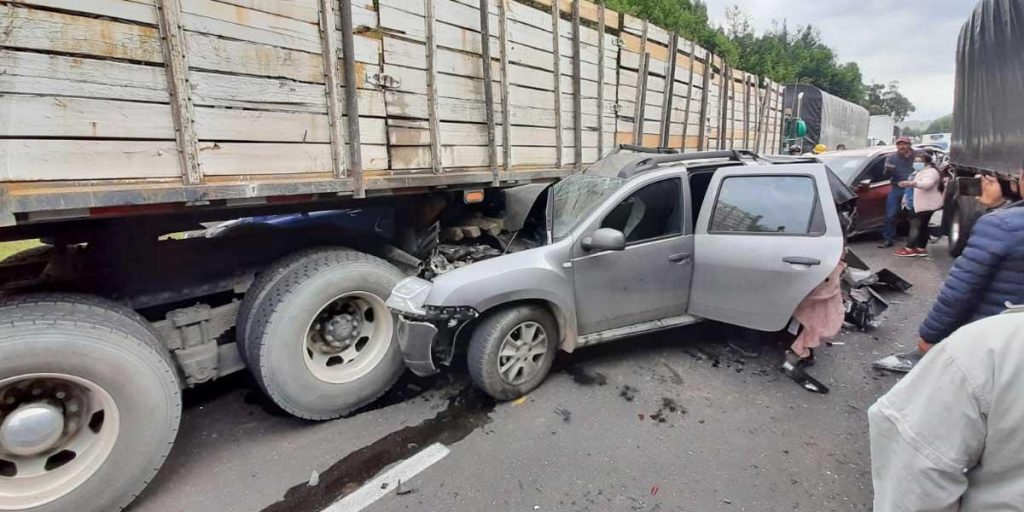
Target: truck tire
x=511 y=351
x=257 y=292
x=321 y=341
x=964 y=216
x=97 y=378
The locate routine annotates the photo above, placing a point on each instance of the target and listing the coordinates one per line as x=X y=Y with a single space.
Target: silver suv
x=637 y=243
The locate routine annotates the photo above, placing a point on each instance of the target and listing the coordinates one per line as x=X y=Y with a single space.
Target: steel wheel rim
x=89 y=429
x=347 y=337
x=522 y=353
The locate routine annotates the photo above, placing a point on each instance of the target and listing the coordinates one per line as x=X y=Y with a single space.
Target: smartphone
x=969 y=186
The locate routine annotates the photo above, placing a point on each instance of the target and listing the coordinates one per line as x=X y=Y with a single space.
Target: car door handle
x=801 y=260
x=679 y=258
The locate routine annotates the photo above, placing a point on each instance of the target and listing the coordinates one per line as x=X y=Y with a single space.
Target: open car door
x=765 y=237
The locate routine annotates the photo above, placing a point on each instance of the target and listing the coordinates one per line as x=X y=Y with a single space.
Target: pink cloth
x=820 y=313
x=927 y=197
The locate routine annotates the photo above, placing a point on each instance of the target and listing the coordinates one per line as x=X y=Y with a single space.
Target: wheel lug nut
x=37 y=391
x=73 y=407
x=61 y=395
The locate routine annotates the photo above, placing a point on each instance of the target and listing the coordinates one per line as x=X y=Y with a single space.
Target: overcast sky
x=912 y=41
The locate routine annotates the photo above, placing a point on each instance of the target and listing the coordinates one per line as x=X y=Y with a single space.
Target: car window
x=768 y=205
x=651 y=212
x=876 y=171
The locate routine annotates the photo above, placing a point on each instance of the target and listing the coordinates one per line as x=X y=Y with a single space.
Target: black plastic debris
x=889 y=278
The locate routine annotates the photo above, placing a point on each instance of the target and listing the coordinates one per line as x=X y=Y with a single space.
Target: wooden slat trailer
x=345 y=142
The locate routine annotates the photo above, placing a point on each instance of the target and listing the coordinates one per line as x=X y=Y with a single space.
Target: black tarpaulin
x=830 y=120
x=988 y=114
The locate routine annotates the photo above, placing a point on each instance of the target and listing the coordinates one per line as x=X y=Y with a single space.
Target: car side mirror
x=604 y=239
x=864 y=184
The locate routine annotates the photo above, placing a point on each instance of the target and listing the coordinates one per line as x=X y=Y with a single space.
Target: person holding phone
x=986 y=278
x=926 y=187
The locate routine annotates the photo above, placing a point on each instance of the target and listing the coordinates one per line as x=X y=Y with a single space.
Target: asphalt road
x=674 y=421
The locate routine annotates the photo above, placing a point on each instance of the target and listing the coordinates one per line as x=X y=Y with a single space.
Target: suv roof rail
x=648 y=163
x=648 y=149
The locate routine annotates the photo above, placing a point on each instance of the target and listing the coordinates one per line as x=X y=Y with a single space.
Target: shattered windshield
x=576 y=197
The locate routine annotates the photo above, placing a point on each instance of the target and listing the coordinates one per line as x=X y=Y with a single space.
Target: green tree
x=943 y=124
x=885 y=99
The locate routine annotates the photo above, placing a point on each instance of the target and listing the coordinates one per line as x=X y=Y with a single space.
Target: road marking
x=404 y=471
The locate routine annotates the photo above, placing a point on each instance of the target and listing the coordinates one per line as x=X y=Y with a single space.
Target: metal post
x=332 y=80
x=746 y=111
x=182 y=109
x=348 y=64
x=705 y=99
x=641 y=101
x=434 y=123
x=557 y=63
x=668 y=92
x=689 y=99
x=485 y=58
x=506 y=109
x=577 y=98
x=600 y=78
x=641 y=83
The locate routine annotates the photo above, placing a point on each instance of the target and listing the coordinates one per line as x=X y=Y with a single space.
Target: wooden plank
x=231 y=124
x=231 y=21
x=57 y=159
x=182 y=109
x=249 y=159
x=302 y=10
x=63 y=117
x=140 y=11
x=34 y=29
x=431 y=50
x=212 y=53
x=36 y=73
x=332 y=81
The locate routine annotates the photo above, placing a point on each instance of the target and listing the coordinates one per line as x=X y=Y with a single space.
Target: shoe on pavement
x=921 y=252
x=902 y=363
x=886 y=244
x=905 y=252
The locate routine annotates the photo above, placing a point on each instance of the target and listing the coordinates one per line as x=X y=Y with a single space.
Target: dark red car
x=862 y=171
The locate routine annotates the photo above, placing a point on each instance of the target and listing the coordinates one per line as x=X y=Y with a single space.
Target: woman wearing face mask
x=927 y=199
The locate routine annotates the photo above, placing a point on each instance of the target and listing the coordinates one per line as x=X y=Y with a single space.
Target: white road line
x=404 y=471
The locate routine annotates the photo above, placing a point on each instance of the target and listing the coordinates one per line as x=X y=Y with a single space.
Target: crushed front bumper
x=416 y=338
x=428 y=340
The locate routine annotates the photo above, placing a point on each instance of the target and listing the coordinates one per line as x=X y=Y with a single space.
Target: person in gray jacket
x=948 y=436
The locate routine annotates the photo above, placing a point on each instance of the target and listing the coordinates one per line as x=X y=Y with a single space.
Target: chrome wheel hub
x=522 y=353
x=32 y=429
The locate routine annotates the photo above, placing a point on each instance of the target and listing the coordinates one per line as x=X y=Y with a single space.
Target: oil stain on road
x=467 y=411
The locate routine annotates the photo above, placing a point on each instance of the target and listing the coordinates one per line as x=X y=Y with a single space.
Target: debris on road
x=314 y=480
x=864 y=305
x=566 y=414
x=402 y=491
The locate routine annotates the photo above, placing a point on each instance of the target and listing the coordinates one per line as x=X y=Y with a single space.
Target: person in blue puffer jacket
x=987 y=276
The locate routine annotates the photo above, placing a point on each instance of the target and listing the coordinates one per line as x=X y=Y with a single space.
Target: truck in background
x=813 y=117
x=881 y=130
x=988 y=112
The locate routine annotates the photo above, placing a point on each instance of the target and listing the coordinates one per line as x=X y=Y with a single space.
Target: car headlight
x=409 y=295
